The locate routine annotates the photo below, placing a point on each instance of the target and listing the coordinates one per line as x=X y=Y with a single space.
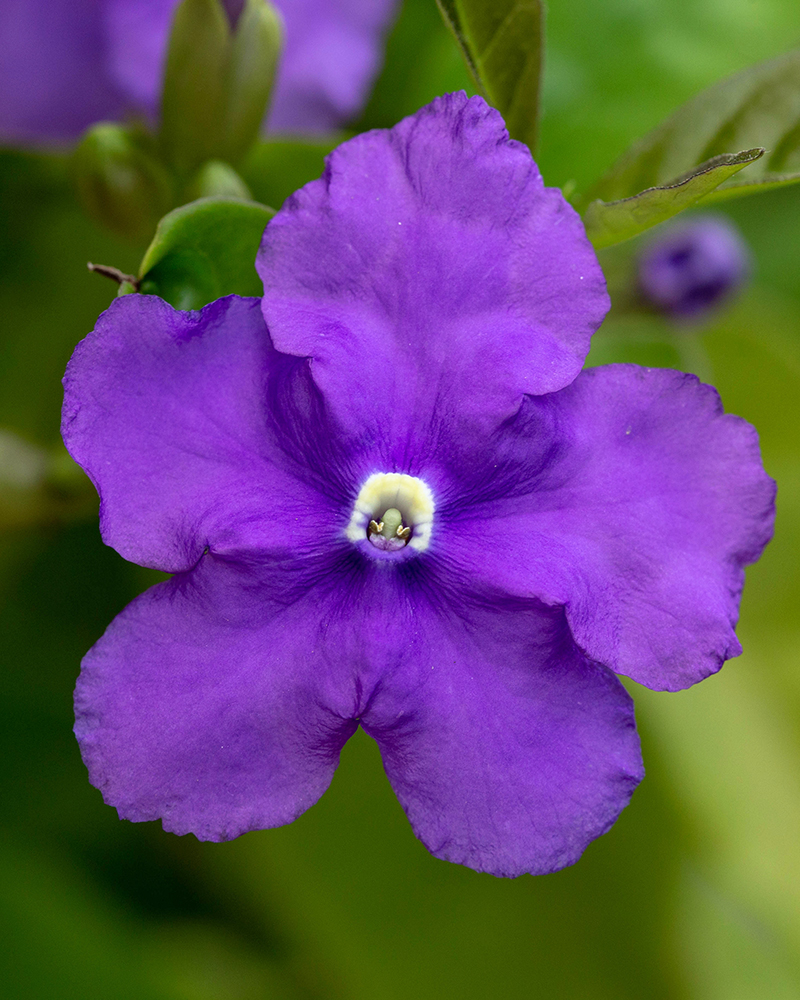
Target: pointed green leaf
x=757 y=107
x=612 y=222
x=502 y=43
x=205 y=250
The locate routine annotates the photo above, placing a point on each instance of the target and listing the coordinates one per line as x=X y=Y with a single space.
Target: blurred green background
x=695 y=893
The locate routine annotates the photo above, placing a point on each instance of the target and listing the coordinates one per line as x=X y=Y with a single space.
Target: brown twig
x=114 y=273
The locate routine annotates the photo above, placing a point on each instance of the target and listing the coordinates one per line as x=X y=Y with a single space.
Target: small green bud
x=219 y=179
x=119 y=182
x=256 y=50
x=193 y=99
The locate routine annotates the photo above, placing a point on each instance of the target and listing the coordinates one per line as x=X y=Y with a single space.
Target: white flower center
x=393 y=492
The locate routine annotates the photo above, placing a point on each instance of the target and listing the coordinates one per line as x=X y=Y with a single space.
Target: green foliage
x=612 y=222
x=422 y=62
x=194 y=84
x=757 y=107
x=502 y=43
x=39 y=486
x=204 y=250
x=616 y=69
x=277 y=168
x=62 y=938
x=216 y=89
x=255 y=48
x=217 y=82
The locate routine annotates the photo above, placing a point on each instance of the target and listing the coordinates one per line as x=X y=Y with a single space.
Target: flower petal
x=219 y=702
x=204 y=706
x=333 y=50
x=138 y=35
x=198 y=435
x=53 y=75
x=633 y=500
x=431 y=276
x=508 y=749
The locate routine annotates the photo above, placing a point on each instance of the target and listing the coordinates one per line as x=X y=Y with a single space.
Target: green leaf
x=612 y=222
x=277 y=168
x=204 y=250
x=502 y=43
x=757 y=107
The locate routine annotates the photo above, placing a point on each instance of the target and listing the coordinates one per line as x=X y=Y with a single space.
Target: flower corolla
x=65 y=64
x=390 y=497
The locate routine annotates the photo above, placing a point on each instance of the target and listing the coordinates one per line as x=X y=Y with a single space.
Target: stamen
x=388 y=534
x=393 y=510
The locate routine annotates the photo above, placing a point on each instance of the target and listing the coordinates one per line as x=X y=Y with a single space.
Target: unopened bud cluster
x=219 y=72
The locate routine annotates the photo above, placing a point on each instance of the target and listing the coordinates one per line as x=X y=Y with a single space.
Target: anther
x=389 y=533
x=392 y=510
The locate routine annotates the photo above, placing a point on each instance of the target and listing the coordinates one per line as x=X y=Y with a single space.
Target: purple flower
x=693 y=267
x=65 y=64
x=400 y=504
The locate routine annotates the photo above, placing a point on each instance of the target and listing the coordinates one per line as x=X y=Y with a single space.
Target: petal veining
x=633 y=500
x=508 y=749
x=432 y=278
x=198 y=435
x=203 y=706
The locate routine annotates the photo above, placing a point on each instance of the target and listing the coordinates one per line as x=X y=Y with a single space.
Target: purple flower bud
x=692 y=268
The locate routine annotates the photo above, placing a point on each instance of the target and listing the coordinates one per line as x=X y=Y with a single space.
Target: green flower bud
x=217 y=82
x=256 y=49
x=119 y=182
x=216 y=179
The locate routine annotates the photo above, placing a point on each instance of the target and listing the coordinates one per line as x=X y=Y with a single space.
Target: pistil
x=393 y=510
x=389 y=532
